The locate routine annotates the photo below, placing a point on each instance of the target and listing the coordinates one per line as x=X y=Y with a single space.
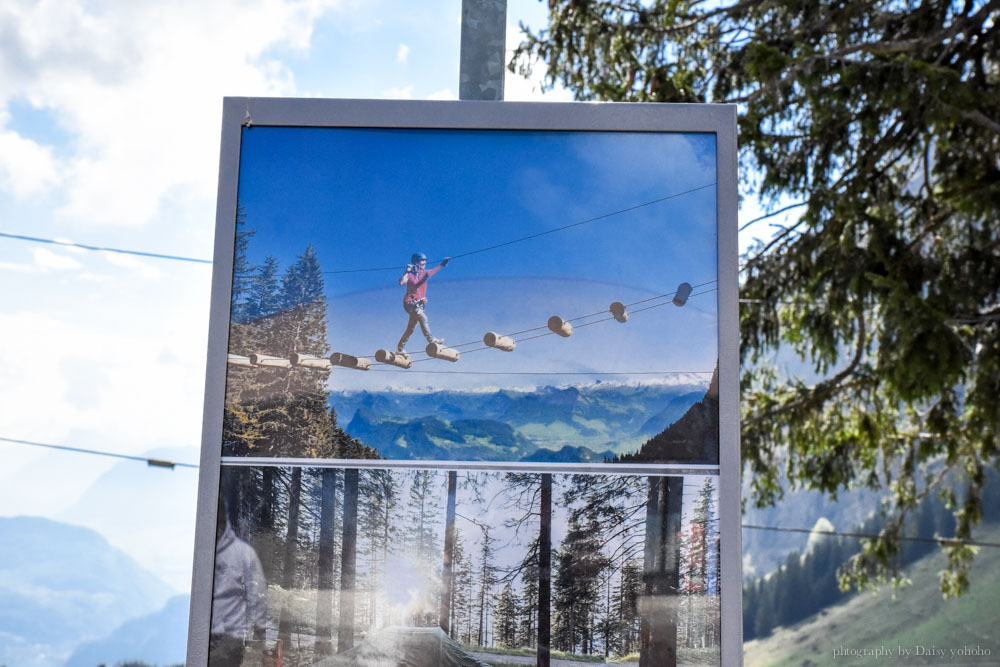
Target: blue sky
x=109 y=135
x=369 y=198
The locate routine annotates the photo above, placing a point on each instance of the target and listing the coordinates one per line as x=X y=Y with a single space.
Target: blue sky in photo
x=369 y=198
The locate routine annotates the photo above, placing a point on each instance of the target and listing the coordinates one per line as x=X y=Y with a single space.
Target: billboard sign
x=472 y=386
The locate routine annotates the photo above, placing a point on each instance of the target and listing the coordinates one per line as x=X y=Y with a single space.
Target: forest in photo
x=465 y=568
x=280 y=410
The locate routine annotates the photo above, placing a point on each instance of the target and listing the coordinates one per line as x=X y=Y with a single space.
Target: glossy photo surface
x=346 y=567
x=475 y=296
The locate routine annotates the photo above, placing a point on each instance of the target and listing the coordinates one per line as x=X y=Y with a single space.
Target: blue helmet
x=418 y=257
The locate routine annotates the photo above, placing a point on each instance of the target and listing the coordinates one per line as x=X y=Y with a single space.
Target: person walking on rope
x=415 y=279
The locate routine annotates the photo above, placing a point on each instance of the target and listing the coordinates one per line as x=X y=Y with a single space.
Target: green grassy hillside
x=915 y=618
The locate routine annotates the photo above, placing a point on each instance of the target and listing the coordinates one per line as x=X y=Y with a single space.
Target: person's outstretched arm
x=431 y=272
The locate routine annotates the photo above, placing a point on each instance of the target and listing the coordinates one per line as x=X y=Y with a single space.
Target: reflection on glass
x=436 y=568
x=239 y=595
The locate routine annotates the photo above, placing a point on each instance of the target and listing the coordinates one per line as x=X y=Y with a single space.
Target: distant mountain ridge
x=433 y=438
x=694 y=438
x=159 y=638
x=61 y=584
x=553 y=424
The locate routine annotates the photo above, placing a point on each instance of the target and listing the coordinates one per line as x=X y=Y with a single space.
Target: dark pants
x=225 y=651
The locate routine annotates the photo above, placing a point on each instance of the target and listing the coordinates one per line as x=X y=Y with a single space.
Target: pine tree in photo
x=527 y=625
x=505 y=615
x=580 y=564
x=242 y=269
x=530 y=496
x=377 y=532
x=282 y=411
x=264 y=296
x=487 y=580
x=461 y=604
x=617 y=506
x=606 y=627
x=626 y=607
x=424 y=519
x=423 y=515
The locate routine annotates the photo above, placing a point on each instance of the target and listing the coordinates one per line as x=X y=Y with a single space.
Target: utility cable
x=901 y=538
x=71 y=244
x=156 y=463
x=535 y=236
x=162 y=463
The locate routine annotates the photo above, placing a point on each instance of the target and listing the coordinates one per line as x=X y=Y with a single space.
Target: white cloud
x=443 y=94
x=399 y=93
x=93 y=377
x=139 y=87
x=141 y=267
x=26 y=168
x=19 y=268
x=516 y=88
x=46 y=259
x=402 y=53
x=96 y=278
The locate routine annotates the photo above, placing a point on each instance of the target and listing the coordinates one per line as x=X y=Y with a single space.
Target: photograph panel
x=475 y=295
x=332 y=566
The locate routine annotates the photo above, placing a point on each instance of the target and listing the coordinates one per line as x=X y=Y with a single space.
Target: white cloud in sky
x=140 y=267
x=398 y=93
x=14 y=266
x=402 y=53
x=443 y=94
x=26 y=168
x=134 y=84
x=46 y=259
x=92 y=377
x=516 y=88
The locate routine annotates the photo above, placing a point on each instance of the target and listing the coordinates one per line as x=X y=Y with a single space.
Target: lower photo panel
x=373 y=567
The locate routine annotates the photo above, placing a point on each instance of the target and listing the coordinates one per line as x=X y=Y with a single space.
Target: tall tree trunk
x=324 y=594
x=661 y=564
x=607 y=616
x=265 y=519
x=348 y=561
x=482 y=605
x=291 y=544
x=544 y=572
x=447 y=576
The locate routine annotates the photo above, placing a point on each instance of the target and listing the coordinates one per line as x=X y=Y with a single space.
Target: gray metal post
x=484 y=31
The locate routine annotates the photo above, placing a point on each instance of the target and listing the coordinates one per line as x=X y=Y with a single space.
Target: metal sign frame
x=241 y=113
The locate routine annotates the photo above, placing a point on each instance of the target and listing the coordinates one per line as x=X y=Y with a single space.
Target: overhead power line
x=121 y=251
x=902 y=538
x=535 y=236
x=162 y=463
x=156 y=463
x=180 y=258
